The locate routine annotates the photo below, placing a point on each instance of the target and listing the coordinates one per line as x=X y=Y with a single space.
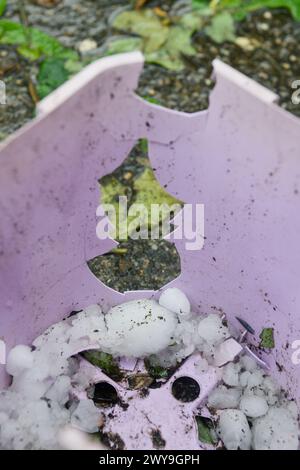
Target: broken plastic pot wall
x=240 y=158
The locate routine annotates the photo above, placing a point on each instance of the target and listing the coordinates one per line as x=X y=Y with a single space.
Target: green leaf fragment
x=161 y=44
x=105 y=362
x=152 y=100
x=121 y=45
x=206 y=433
x=144 y=24
x=267 y=338
x=29 y=52
x=155 y=370
x=222 y=28
x=240 y=8
x=149 y=191
x=51 y=75
x=146 y=190
x=177 y=45
x=32 y=42
x=73 y=66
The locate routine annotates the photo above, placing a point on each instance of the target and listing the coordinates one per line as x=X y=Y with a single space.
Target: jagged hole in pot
x=142 y=264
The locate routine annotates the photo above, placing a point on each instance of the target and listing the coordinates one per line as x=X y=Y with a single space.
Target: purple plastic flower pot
x=240 y=158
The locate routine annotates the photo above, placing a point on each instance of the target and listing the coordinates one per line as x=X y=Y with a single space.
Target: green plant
x=240 y=8
x=2 y=6
x=33 y=43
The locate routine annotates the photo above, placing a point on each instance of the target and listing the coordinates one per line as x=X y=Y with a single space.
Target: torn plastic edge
x=242 y=81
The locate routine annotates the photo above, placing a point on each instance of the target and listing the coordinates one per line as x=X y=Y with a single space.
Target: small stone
x=248 y=44
x=87 y=45
x=263 y=27
x=128 y=175
x=267 y=15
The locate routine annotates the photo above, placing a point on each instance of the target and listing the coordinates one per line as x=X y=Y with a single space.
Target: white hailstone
x=19 y=359
x=88 y=324
x=143 y=327
x=244 y=377
x=59 y=392
x=212 y=330
x=234 y=430
x=82 y=378
x=253 y=406
x=255 y=378
x=201 y=365
x=30 y=388
x=34 y=410
x=86 y=417
x=258 y=391
x=293 y=409
x=270 y=386
x=8 y=432
x=272 y=399
x=227 y=352
x=222 y=397
x=248 y=363
x=175 y=300
x=55 y=334
x=73 y=439
x=231 y=375
x=93 y=310
x=277 y=430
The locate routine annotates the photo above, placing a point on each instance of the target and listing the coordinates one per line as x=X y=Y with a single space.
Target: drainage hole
x=104 y=394
x=185 y=389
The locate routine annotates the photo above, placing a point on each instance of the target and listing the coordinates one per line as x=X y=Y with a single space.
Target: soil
x=157 y=440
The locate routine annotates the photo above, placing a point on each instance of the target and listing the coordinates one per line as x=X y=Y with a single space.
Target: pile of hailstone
x=251 y=410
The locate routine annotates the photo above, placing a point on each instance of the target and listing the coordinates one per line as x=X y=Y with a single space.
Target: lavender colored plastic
x=240 y=158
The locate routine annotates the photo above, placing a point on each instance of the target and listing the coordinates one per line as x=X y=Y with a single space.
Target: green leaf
x=146 y=190
x=29 y=52
x=126 y=44
x=105 y=362
x=146 y=25
x=178 y=44
x=32 y=42
x=51 y=75
x=152 y=100
x=201 y=5
x=267 y=338
x=161 y=44
x=143 y=23
x=192 y=21
x=155 y=370
x=73 y=66
x=206 y=432
x=240 y=8
x=111 y=190
x=221 y=28
x=2 y=6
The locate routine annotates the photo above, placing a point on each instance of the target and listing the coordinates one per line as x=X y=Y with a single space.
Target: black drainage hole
x=104 y=394
x=185 y=389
